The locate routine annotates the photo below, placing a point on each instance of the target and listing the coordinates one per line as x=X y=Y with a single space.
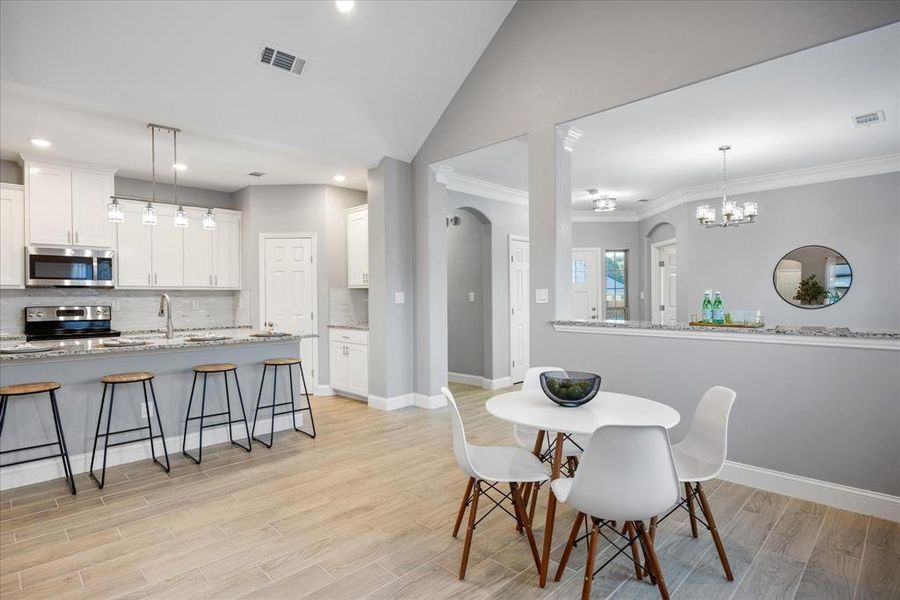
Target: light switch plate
x=541 y=296
x=195 y=305
x=399 y=297
x=471 y=296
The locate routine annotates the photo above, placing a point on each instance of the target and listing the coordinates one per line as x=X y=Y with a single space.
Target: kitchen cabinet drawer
x=349 y=336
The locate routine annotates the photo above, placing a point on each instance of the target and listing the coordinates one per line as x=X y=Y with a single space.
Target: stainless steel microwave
x=69 y=267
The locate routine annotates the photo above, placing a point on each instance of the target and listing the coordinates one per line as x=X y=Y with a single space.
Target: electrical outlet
x=116 y=305
x=195 y=305
x=399 y=297
x=471 y=296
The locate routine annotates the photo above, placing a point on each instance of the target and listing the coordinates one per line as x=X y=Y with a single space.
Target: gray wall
x=11 y=172
x=468 y=271
x=614 y=236
x=190 y=196
x=297 y=209
x=551 y=62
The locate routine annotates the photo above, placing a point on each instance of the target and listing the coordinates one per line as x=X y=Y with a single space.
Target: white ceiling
x=89 y=75
x=786 y=114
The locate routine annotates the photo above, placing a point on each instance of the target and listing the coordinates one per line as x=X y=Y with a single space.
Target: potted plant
x=810 y=291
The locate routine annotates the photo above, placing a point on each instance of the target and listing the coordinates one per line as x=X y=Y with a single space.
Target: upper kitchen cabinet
x=134 y=252
x=358 y=247
x=198 y=251
x=168 y=249
x=65 y=204
x=12 y=236
x=227 y=250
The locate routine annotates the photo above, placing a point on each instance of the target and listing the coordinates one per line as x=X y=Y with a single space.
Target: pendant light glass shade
x=114 y=212
x=181 y=218
x=209 y=220
x=148 y=215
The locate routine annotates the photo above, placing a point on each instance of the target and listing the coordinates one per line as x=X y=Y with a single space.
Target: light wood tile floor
x=366 y=510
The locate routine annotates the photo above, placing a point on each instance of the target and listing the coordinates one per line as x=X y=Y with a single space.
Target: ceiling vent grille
x=869 y=119
x=282 y=60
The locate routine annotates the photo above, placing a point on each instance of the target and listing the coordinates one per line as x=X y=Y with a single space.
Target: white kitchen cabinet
x=358 y=247
x=90 y=196
x=168 y=249
x=12 y=236
x=134 y=251
x=227 y=250
x=49 y=192
x=348 y=353
x=66 y=204
x=198 y=251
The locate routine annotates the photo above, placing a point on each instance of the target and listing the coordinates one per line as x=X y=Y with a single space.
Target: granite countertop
x=838 y=332
x=156 y=342
x=357 y=326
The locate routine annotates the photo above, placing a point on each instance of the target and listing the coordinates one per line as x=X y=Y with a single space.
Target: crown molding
x=479 y=187
x=23 y=158
x=616 y=216
x=865 y=167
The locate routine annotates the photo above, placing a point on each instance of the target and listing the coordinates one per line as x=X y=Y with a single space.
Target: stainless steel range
x=68 y=322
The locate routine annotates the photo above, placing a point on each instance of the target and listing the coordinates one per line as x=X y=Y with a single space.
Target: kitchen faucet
x=165 y=309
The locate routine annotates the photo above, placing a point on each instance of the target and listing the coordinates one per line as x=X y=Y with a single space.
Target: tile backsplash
x=348 y=306
x=132 y=309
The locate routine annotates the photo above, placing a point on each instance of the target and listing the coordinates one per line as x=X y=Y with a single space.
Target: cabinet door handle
x=155 y=278
x=149 y=281
x=68 y=236
x=217 y=280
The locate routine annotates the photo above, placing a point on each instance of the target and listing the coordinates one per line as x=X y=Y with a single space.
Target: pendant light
x=180 y=219
x=148 y=215
x=114 y=212
x=732 y=213
x=209 y=220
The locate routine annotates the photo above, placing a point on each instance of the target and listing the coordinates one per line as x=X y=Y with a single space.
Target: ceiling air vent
x=256 y=174
x=282 y=60
x=872 y=118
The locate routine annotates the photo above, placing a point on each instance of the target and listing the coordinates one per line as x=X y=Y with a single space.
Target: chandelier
x=603 y=203
x=732 y=214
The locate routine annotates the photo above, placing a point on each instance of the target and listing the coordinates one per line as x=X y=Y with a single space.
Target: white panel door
x=12 y=237
x=358 y=248
x=198 y=251
x=227 y=251
x=519 y=307
x=168 y=249
x=585 y=285
x=289 y=299
x=667 y=285
x=134 y=248
x=49 y=204
x=90 y=196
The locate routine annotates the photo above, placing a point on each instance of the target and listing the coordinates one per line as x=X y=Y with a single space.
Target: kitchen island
x=79 y=364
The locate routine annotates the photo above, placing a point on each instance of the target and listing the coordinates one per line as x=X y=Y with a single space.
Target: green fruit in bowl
x=553 y=386
x=576 y=392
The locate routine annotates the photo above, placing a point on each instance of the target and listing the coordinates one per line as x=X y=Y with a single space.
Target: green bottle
x=707 y=307
x=718 y=309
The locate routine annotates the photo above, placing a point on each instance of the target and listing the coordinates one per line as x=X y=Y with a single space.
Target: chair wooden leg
x=720 y=548
x=652 y=533
x=534 y=497
x=523 y=519
x=650 y=551
x=629 y=530
x=462 y=506
x=576 y=527
x=690 y=502
x=589 y=563
x=525 y=492
x=473 y=510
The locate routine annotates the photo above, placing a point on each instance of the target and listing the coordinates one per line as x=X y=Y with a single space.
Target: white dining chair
x=487 y=466
x=626 y=473
x=527 y=437
x=700 y=456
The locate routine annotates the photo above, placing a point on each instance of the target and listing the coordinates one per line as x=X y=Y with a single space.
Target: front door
x=519 y=353
x=584 y=285
x=667 y=284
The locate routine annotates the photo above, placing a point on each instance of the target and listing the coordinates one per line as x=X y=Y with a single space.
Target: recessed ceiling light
x=345 y=6
x=339 y=178
x=41 y=143
x=180 y=167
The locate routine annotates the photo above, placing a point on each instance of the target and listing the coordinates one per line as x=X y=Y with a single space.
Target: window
x=615 y=290
x=579 y=271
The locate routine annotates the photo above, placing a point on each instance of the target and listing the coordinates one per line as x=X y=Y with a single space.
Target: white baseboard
x=849 y=498
x=392 y=403
x=430 y=402
x=45 y=470
x=477 y=380
x=324 y=390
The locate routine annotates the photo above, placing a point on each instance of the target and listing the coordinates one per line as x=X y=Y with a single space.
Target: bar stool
x=111 y=381
x=225 y=369
x=25 y=389
x=275 y=363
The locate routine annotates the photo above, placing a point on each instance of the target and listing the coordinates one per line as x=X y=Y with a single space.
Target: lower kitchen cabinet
x=348 y=360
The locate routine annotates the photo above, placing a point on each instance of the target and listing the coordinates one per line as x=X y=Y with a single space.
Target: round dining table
x=532 y=408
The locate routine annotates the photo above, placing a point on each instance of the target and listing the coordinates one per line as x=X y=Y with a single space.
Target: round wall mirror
x=812 y=277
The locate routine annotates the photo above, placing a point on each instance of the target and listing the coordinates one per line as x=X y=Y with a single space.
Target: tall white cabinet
x=358 y=247
x=12 y=236
x=66 y=204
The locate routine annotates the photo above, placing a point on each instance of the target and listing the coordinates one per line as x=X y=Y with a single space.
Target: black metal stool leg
x=248 y=447
x=97 y=433
x=61 y=442
x=258 y=401
x=237 y=384
x=312 y=421
x=112 y=397
x=272 y=423
x=3 y=401
x=187 y=420
x=162 y=435
x=149 y=422
x=293 y=406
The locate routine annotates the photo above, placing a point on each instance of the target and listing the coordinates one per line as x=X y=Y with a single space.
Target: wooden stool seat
x=277 y=362
x=128 y=377
x=22 y=389
x=215 y=368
